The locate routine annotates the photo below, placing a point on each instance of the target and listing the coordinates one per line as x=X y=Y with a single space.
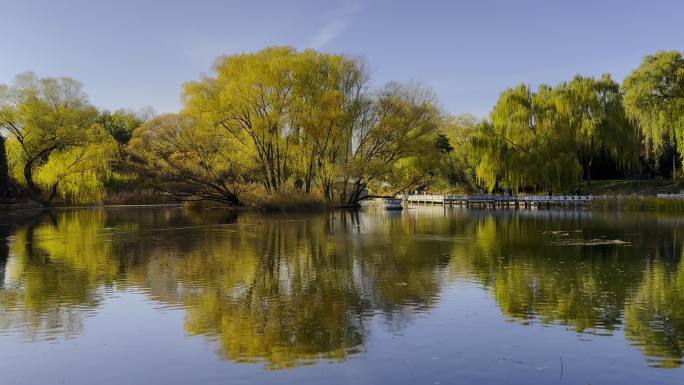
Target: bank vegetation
x=282 y=127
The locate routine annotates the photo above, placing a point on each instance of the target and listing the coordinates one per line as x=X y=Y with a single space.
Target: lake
x=425 y=296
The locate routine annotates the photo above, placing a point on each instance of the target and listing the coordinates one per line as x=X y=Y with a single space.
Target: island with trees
x=283 y=127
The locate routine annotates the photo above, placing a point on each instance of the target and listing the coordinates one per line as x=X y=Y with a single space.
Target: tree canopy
x=547 y=139
x=654 y=99
x=457 y=167
x=307 y=119
x=187 y=160
x=55 y=146
x=4 y=171
x=121 y=123
x=282 y=122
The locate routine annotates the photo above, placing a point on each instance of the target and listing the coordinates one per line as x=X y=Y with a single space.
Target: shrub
x=284 y=200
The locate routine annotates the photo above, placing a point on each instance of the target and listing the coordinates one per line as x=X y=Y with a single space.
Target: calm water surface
x=425 y=296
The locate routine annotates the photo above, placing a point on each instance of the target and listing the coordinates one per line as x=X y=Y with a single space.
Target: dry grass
x=138 y=197
x=288 y=200
x=638 y=202
x=630 y=187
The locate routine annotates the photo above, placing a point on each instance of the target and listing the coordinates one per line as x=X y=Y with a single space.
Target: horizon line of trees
x=282 y=121
x=549 y=139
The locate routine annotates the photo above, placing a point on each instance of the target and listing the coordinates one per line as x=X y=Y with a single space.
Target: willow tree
x=250 y=98
x=398 y=123
x=188 y=160
x=291 y=111
x=595 y=113
x=549 y=138
x=330 y=92
x=526 y=143
x=55 y=148
x=4 y=171
x=654 y=99
x=307 y=119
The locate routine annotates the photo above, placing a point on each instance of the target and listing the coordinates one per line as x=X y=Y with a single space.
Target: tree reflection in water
x=290 y=290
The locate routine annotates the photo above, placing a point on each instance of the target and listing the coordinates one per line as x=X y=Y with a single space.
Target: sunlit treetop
x=547 y=139
x=55 y=147
x=654 y=99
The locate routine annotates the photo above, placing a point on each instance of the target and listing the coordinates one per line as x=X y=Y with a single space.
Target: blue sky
x=137 y=53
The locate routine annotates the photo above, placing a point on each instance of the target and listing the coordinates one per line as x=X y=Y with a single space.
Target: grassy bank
x=630 y=187
x=259 y=200
x=138 y=197
x=638 y=202
x=284 y=201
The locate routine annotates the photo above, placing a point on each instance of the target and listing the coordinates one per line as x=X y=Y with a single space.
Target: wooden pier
x=499 y=200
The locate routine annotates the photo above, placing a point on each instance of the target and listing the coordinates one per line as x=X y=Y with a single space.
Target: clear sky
x=137 y=53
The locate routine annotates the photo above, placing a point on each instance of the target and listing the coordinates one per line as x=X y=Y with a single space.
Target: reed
x=287 y=200
x=138 y=197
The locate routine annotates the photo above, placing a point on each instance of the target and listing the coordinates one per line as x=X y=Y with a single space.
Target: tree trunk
x=356 y=193
x=53 y=192
x=233 y=199
x=309 y=177
x=4 y=175
x=589 y=173
x=674 y=168
x=34 y=191
x=343 y=193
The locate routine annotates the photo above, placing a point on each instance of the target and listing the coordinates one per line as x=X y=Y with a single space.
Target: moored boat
x=393 y=204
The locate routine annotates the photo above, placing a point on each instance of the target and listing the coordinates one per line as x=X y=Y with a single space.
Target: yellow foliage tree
x=55 y=147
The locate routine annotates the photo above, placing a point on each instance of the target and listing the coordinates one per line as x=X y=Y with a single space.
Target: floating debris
x=563 y=233
x=598 y=242
x=592 y=242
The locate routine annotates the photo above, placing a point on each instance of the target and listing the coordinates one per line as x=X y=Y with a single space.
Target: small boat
x=393 y=204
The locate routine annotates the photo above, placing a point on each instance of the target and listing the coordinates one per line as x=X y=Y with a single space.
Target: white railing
x=424 y=198
x=532 y=199
x=556 y=198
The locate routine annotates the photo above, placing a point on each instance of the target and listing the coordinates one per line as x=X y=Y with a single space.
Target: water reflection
x=280 y=290
x=591 y=272
x=291 y=290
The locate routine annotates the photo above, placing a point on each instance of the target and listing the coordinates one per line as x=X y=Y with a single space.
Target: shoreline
x=8 y=208
x=631 y=202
